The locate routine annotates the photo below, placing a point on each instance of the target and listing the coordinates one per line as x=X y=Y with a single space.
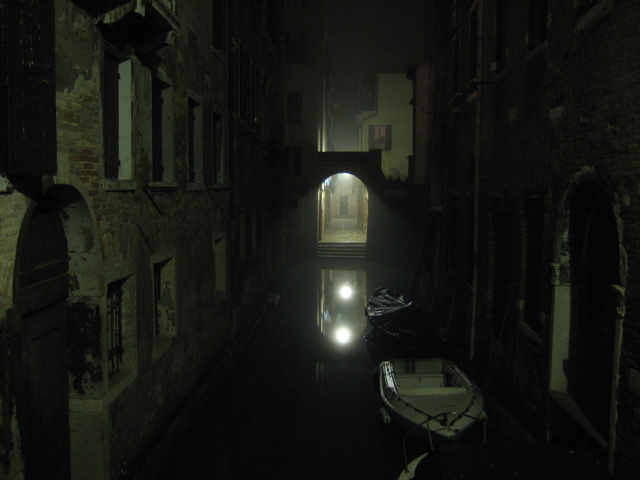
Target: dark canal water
x=300 y=403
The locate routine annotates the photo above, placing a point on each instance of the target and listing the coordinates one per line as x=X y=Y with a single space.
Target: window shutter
x=27 y=127
x=111 y=117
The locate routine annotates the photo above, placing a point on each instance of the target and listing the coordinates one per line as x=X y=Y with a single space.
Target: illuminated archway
x=343 y=210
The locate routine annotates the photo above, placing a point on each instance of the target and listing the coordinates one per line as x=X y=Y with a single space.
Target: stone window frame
x=123 y=179
x=164 y=297
x=297 y=48
x=295 y=108
x=219 y=28
x=221 y=279
x=129 y=365
x=474 y=33
x=195 y=142
x=162 y=173
x=380 y=137
x=590 y=12
x=538 y=24
x=219 y=158
x=294 y=161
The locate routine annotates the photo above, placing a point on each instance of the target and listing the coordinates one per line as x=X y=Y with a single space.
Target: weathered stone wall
x=551 y=117
x=116 y=231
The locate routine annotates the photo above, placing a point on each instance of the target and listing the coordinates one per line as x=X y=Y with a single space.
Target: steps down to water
x=342 y=250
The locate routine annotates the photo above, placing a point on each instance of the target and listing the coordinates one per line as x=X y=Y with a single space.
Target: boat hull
x=430 y=396
x=509 y=460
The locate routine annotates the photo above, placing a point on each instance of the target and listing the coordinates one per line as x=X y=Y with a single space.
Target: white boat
x=430 y=394
x=506 y=459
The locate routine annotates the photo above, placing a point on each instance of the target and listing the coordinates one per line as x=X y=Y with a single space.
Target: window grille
x=114 y=318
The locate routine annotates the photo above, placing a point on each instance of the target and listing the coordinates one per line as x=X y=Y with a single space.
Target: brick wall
x=552 y=117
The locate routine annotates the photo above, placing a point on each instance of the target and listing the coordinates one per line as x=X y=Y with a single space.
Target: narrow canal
x=301 y=403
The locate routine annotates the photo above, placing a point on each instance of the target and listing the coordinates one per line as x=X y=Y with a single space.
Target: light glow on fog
x=343 y=335
x=346 y=291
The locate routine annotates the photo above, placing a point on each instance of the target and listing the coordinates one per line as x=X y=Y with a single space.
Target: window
x=219 y=161
x=455 y=49
x=162 y=131
x=452 y=232
x=121 y=328
x=295 y=161
x=218 y=24
x=473 y=44
x=293 y=215
x=501 y=24
x=367 y=97
x=170 y=4
x=470 y=240
x=195 y=139
x=582 y=6
x=242 y=234
x=589 y=13
x=534 y=268
x=220 y=260
x=27 y=88
x=379 y=137
x=455 y=63
x=164 y=294
x=502 y=286
x=537 y=23
x=294 y=108
x=297 y=48
x=114 y=318
x=117 y=118
x=253 y=247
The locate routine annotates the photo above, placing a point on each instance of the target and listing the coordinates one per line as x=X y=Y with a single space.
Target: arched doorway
x=595 y=271
x=42 y=288
x=588 y=302
x=58 y=361
x=343 y=216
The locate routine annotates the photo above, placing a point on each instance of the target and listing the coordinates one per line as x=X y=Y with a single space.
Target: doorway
x=42 y=402
x=595 y=271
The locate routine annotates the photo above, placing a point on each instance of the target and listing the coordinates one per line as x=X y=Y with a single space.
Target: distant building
x=387 y=125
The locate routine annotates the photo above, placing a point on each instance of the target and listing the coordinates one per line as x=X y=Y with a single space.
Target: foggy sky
x=374 y=34
x=368 y=36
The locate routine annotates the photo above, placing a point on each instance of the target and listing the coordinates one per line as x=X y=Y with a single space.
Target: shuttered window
x=379 y=137
x=27 y=88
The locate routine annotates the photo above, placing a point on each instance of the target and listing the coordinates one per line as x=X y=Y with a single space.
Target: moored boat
x=400 y=328
x=431 y=395
x=508 y=460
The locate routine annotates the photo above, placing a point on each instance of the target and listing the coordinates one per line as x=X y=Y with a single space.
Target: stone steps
x=342 y=250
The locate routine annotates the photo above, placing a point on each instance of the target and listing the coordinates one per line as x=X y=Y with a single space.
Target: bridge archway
x=343 y=213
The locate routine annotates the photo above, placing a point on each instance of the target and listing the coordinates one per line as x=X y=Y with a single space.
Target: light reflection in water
x=341 y=303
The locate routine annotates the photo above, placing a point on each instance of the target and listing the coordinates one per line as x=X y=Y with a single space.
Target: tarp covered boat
x=401 y=329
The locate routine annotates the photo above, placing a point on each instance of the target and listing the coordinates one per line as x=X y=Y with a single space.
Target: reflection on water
x=341 y=303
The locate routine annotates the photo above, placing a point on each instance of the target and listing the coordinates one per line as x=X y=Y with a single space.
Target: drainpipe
x=476 y=181
x=231 y=223
x=360 y=120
